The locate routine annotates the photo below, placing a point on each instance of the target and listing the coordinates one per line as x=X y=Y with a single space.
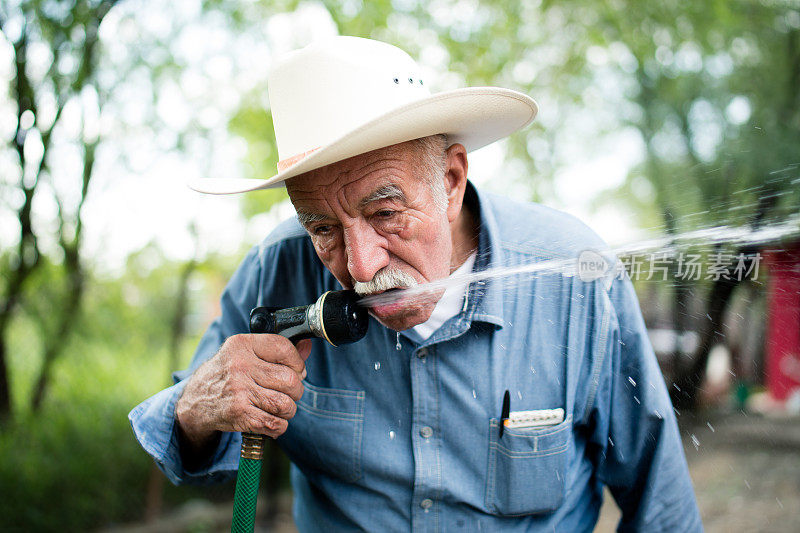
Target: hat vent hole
x=397 y=80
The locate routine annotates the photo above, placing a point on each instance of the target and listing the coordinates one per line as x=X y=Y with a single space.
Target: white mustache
x=385 y=279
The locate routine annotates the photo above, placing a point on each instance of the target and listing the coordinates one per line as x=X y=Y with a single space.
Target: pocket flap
x=325 y=436
x=336 y=403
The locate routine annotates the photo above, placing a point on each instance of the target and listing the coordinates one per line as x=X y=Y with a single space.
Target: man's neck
x=464 y=230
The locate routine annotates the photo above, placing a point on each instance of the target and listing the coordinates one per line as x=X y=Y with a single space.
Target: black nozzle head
x=343 y=319
x=261 y=320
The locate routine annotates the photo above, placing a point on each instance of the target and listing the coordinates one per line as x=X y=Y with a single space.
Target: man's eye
x=384 y=213
x=322 y=230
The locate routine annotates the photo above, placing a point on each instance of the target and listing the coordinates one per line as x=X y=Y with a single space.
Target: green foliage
x=71 y=469
x=717 y=106
x=254 y=124
x=76 y=466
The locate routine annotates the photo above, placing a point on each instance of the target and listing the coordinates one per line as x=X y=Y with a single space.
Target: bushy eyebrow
x=306 y=218
x=385 y=192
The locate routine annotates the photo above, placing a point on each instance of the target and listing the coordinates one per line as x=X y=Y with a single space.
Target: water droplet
x=637 y=400
x=377 y=365
x=695 y=442
x=580 y=296
x=474 y=395
x=398 y=345
x=659 y=415
x=519 y=394
x=779 y=502
x=710 y=427
x=748 y=484
x=392 y=435
x=533 y=370
x=630 y=379
x=610 y=441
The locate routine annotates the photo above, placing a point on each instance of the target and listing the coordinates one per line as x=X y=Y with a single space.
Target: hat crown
x=329 y=88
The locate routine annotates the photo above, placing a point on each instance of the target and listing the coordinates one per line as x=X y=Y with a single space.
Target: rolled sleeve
x=153 y=421
x=642 y=460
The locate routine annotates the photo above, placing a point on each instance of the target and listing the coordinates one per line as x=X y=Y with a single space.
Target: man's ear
x=455 y=179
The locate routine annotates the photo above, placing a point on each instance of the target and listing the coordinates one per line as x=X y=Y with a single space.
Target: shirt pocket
x=527 y=468
x=325 y=435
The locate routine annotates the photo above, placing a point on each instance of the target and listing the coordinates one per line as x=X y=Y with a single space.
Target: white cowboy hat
x=346 y=96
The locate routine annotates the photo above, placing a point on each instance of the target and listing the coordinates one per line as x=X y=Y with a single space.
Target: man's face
x=376 y=213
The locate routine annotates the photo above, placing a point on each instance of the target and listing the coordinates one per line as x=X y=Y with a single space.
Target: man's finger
x=257 y=421
x=275 y=403
x=277 y=349
x=278 y=377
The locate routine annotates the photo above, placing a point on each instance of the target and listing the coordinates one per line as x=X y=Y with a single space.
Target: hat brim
x=473 y=117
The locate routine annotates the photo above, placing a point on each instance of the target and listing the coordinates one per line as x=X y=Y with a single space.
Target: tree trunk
x=28 y=258
x=5 y=393
x=687 y=384
x=57 y=340
x=684 y=393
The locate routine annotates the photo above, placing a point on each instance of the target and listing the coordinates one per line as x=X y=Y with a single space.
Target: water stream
x=668 y=245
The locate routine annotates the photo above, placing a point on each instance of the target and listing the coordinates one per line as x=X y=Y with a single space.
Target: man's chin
x=400 y=316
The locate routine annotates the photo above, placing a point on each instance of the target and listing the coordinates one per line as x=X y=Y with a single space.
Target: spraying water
x=668 y=244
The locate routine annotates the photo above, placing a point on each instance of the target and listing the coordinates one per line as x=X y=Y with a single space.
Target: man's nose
x=366 y=252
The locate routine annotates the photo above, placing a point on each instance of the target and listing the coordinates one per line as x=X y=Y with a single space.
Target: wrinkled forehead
x=350 y=181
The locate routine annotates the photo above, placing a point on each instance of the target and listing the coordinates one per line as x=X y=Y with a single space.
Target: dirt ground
x=746 y=473
x=745 y=469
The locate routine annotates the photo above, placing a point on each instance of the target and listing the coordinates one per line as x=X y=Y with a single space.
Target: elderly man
x=502 y=404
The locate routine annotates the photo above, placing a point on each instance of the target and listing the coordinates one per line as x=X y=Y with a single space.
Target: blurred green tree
x=717 y=105
x=42 y=89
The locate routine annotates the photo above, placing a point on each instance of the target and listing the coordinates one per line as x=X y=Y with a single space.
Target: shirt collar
x=485 y=297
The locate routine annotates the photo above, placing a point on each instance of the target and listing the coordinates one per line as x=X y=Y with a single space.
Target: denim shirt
x=393 y=434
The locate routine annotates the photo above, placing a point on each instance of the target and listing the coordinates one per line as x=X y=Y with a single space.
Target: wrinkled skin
x=253 y=382
x=355 y=239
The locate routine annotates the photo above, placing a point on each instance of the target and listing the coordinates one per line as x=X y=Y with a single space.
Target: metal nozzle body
x=335 y=317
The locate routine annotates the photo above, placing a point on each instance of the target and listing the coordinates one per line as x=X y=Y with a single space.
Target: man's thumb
x=304 y=348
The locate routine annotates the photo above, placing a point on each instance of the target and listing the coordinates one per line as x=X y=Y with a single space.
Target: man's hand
x=251 y=384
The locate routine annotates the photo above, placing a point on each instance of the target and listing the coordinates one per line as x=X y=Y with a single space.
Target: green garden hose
x=247 y=480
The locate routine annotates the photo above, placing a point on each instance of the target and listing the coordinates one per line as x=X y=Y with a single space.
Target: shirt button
x=422 y=353
x=426 y=432
x=427 y=503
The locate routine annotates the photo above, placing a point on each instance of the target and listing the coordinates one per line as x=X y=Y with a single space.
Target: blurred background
x=671 y=120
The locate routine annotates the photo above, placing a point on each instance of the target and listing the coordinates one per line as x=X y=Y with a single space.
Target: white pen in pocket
x=535 y=418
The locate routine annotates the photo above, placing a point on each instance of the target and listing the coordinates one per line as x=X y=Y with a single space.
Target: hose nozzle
x=335 y=317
